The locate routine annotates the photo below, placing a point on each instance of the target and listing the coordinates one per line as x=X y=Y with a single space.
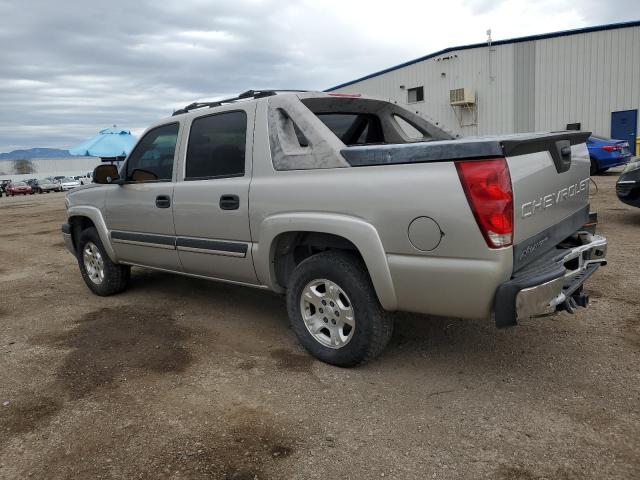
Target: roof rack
x=242 y=96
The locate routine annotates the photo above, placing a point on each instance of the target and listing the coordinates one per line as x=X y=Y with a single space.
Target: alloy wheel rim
x=93 y=263
x=327 y=313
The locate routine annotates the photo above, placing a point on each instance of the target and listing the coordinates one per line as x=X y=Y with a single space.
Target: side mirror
x=105 y=174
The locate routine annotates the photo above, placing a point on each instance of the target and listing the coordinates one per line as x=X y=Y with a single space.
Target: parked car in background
x=19 y=188
x=45 y=186
x=628 y=185
x=69 y=183
x=4 y=183
x=606 y=153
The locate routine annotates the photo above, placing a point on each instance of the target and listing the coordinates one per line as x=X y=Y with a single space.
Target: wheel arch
x=82 y=217
x=281 y=234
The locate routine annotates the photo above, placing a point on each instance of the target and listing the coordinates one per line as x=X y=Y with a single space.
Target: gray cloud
x=69 y=68
x=76 y=66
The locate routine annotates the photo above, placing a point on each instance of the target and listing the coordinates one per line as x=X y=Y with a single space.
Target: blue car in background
x=606 y=153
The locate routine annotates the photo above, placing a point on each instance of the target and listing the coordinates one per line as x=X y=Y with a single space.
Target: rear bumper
x=611 y=162
x=550 y=284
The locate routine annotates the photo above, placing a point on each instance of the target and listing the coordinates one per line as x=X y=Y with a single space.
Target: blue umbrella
x=108 y=143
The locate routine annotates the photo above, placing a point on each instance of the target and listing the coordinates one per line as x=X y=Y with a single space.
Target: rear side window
x=354 y=128
x=409 y=130
x=152 y=159
x=217 y=146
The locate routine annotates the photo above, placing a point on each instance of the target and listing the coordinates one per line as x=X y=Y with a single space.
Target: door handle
x=163 y=201
x=229 y=202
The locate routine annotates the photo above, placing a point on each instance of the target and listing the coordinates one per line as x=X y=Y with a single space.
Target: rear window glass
x=354 y=128
x=217 y=146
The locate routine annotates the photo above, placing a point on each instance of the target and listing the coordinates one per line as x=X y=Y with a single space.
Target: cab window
x=152 y=159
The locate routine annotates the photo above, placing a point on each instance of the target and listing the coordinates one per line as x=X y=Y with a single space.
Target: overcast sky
x=70 y=68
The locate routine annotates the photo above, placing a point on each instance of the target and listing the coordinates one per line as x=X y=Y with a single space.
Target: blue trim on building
x=544 y=36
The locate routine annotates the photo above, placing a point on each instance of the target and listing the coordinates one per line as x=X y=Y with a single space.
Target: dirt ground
x=179 y=378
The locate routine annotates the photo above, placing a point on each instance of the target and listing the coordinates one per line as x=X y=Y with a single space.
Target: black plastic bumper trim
x=505 y=302
x=66 y=228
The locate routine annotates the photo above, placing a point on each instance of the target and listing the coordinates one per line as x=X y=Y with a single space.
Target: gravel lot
x=181 y=378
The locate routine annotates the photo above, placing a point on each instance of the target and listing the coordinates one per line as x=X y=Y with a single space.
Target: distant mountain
x=35 y=153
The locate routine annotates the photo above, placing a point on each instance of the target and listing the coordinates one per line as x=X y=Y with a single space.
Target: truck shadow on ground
x=419 y=339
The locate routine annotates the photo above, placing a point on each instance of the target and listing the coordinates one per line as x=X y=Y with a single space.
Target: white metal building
x=589 y=76
x=49 y=167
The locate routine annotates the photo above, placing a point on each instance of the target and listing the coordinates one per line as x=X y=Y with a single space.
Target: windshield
x=19 y=184
x=68 y=179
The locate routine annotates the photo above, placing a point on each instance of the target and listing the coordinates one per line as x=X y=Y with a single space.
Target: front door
x=139 y=212
x=211 y=198
x=624 y=126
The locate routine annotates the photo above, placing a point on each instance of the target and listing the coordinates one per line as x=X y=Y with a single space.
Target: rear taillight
x=487 y=185
x=611 y=148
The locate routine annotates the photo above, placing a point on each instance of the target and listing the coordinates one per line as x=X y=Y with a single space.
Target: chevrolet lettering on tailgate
x=551 y=199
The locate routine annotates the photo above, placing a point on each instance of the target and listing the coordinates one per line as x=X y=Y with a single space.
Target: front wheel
x=334 y=310
x=102 y=276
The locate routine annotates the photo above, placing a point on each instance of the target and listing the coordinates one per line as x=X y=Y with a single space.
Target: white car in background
x=85 y=179
x=69 y=183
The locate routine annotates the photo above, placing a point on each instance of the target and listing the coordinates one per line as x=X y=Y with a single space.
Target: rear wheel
x=594 y=166
x=334 y=310
x=101 y=275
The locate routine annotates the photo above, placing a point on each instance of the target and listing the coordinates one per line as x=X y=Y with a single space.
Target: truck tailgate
x=550 y=181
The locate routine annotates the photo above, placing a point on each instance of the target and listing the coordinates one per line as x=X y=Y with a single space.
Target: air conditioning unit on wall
x=462 y=96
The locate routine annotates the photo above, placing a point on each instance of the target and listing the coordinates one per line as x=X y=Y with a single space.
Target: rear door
x=211 y=198
x=139 y=212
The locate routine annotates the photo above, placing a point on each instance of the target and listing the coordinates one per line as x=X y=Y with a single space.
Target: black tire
x=116 y=277
x=372 y=327
x=594 y=167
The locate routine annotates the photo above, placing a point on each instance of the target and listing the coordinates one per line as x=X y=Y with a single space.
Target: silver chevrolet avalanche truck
x=350 y=206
